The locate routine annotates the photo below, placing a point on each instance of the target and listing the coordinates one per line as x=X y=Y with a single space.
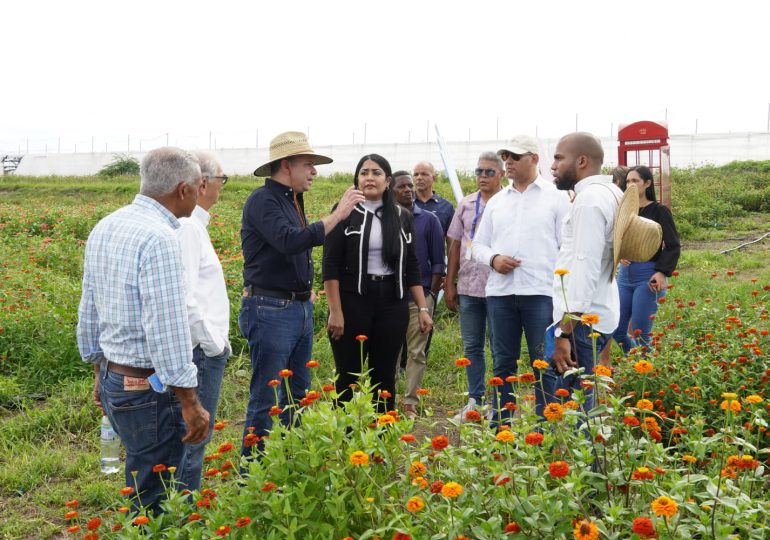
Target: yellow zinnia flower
x=359 y=458
x=415 y=504
x=451 y=490
x=505 y=436
x=561 y=271
x=664 y=506
x=585 y=530
x=589 y=318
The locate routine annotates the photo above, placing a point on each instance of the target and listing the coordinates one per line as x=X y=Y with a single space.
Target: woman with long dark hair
x=642 y=284
x=369 y=263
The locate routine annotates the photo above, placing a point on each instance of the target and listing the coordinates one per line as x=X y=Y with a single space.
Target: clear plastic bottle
x=110 y=443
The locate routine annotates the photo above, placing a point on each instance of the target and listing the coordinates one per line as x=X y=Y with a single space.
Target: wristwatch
x=426 y=310
x=559 y=333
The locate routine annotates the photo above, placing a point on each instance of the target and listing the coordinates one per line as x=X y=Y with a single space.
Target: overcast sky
x=142 y=69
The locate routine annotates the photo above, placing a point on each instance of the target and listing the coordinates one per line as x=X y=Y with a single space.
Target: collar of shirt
x=201 y=215
x=590 y=180
x=416 y=210
x=539 y=183
x=152 y=204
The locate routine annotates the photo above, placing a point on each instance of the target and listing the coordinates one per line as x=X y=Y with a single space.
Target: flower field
x=677 y=448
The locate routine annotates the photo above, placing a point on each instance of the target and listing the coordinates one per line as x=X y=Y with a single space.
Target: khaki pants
x=415 y=353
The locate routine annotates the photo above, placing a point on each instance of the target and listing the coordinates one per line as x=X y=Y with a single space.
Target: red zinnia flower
x=311 y=364
x=439 y=442
x=473 y=416
x=195 y=516
x=273 y=382
x=242 y=522
x=644 y=527
x=141 y=520
x=512 y=527
x=533 y=438
x=159 y=468
x=285 y=373
x=225 y=447
x=407 y=437
x=558 y=469
x=224 y=530
x=495 y=381
x=93 y=523
x=268 y=486
x=436 y=486
x=361 y=338
x=72 y=504
x=327 y=387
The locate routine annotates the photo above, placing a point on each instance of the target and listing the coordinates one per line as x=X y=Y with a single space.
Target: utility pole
x=427 y=131
x=497 y=128
x=59 y=145
x=92 y=144
x=128 y=143
x=166 y=139
x=364 y=133
x=409 y=136
x=666 y=115
x=696 y=126
x=469 y=134
x=768 y=117
x=576 y=122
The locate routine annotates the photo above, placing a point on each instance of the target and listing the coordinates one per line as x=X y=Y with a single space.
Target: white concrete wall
x=686 y=150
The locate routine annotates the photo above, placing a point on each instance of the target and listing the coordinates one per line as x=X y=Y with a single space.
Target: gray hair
x=491 y=156
x=209 y=163
x=165 y=168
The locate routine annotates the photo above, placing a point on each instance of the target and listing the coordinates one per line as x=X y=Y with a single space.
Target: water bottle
x=110 y=444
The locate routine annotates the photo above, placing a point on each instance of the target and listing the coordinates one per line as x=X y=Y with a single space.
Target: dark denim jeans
x=151 y=427
x=473 y=329
x=280 y=335
x=510 y=317
x=211 y=369
x=637 y=304
x=583 y=350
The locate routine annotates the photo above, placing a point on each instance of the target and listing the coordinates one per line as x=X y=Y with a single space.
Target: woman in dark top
x=369 y=263
x=641 y=284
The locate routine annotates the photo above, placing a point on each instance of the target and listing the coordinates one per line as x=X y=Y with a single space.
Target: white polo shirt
x=526 y=226
x=586 y=251
x=208 y=308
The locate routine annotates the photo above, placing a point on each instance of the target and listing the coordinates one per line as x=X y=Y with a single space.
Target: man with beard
x=430 y=254
x=519 y=240
x=585 y=292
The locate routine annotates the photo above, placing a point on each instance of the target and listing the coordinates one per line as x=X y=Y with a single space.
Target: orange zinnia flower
x=141 y=520
x=72 y=514
x=451 y=490
x=512 y=527
x=415 y=504
x=273 y=382
x=423 y=391
x=473 y=416
x=361 y=338
x=126 y=490
x=644 y=404
x=225 y=447
x=311 y=364
x=268 y=486
x=527 y=377
x=159 y=468
x=643 y=366
x=417 y=468
x=359 y=458
x=505 y=436
x=407 y=437
x=384 y=394
x=561 y=271
x=285 y=373
x=589 y=318
x=553 y=412
x=74 y=529
x=495 y=381
x=642 y=473
x=540 y=364
x=603 y=371
x=386 y=419
x=223 y=530
x=462 y=362
x=327 y=387
x=562 y=392
x=664 y=506
x=72 y=504
x=585 y=530
x=274 y=411
x=733 y=404
x=644 y=527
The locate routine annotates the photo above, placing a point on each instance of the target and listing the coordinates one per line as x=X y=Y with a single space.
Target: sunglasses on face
x=515 y=157
x=485 y=172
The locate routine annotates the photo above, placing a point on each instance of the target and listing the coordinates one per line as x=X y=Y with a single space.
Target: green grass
x=49 y=429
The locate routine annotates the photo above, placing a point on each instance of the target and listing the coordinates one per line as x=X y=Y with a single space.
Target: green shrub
x=122 y=165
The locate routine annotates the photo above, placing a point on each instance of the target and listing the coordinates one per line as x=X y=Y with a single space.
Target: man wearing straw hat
x=585 y=300
x=277 y=307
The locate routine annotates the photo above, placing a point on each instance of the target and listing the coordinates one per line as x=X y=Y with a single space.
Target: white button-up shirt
x=526 y=226
x=208 y=307
x=586 y=251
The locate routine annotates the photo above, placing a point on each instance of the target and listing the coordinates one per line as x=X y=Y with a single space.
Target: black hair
x=388 y=213
x=401 y=173
x=645 y=174
x=619 y=176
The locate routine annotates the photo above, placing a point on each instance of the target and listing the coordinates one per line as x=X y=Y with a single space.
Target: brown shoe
x=410 y=411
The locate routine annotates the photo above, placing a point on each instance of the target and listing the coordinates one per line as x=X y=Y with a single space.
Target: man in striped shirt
x=133 y=324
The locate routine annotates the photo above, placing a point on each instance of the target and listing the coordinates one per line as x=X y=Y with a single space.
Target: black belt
x=251 y=290
x=384 y=277
x=129 y=371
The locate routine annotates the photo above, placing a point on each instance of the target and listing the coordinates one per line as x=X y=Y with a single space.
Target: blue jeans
x=637 y=304
x=211 y=369
x=473 y=329
x=508 y=316
x=280 y=335
x=583 y=351
x=151 y=427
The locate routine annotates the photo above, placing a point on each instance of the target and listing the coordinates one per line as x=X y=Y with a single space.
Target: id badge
x=468 y=251
x=156 y=385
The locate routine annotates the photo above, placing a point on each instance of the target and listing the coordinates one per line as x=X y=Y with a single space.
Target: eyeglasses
x=485 y=172
x=224 y=178
x=504 y=155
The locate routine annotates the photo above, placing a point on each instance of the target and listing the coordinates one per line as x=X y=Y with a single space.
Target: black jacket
x=346 y=253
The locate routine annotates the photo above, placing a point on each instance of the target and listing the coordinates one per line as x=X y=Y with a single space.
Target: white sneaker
x=460 y=416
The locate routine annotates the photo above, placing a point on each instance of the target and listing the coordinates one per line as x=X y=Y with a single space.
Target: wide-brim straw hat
x=635 y=238
x=288 y=144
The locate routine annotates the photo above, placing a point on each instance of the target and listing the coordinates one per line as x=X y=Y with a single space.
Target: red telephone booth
x=646 y=143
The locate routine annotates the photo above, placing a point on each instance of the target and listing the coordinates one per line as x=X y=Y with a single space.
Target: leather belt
x=129 y=371
x=251 y=290
x=383 y=277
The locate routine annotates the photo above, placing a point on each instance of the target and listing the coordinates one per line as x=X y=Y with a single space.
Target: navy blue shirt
x=277 y=245
x=430 y=246
x=439 y=206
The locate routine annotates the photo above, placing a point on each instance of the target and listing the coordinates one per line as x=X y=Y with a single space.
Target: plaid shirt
x=132 y=308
